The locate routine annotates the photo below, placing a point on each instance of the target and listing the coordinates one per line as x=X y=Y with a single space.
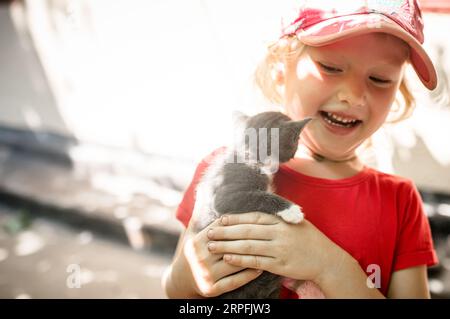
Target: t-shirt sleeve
x=415 y=243
x=186 y=206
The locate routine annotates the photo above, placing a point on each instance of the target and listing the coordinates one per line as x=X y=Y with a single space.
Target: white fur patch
x=292 y=215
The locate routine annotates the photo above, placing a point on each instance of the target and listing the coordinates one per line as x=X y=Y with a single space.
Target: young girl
x=363 y=229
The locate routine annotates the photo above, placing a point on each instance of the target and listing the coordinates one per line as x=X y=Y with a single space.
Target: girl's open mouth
x=338 y=124
x=335 y=120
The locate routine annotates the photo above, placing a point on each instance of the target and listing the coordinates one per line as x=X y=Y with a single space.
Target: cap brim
x=339 y=28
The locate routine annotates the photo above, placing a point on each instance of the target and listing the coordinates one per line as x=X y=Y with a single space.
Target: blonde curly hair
x=289 y=47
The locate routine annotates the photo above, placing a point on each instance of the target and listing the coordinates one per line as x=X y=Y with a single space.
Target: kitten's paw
x=292 y=215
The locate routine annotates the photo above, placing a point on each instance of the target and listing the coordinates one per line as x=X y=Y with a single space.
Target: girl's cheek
x=307 y=70
x=295 y=107
x=305 y=100
x=306 y=89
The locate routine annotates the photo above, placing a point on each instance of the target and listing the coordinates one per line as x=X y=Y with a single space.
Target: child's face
x=353 y=79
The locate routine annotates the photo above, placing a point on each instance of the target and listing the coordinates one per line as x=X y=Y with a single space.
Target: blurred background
x=107 y=106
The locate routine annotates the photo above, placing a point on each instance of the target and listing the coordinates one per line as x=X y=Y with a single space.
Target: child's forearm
x=176 y=281
x=345 y=279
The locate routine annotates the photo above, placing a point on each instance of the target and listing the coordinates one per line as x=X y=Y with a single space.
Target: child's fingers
x=249 y=218
x=241 y=247
x=255 y=262
x=235 y=281
x=203 y=235
x=196 y=247
x=245 y=231
x=222 y=269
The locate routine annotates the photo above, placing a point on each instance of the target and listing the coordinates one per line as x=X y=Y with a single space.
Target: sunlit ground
x=43 y=259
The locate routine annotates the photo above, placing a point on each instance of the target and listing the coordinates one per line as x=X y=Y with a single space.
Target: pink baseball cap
x=321 y=22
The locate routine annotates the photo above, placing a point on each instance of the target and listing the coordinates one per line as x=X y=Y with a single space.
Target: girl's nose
x=353 y=92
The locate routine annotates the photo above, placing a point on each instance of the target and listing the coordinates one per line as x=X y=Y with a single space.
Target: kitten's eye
x=328 y=68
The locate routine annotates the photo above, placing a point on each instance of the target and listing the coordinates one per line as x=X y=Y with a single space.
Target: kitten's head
x=268 y=134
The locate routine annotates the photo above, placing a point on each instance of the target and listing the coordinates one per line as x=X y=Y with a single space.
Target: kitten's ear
x=298 y=125
x=239 y=118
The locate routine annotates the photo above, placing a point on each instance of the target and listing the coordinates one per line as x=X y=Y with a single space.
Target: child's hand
x=263 y=241
x=211 y=275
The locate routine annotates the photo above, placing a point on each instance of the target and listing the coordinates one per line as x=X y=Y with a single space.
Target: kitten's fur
x=232 y=187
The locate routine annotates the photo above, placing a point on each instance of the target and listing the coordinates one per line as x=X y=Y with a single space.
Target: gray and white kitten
x=240 y=180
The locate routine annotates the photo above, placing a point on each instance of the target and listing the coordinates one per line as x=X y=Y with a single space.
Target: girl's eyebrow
x=328 y=56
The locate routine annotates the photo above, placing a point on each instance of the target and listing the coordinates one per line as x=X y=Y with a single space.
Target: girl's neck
x=312 y=164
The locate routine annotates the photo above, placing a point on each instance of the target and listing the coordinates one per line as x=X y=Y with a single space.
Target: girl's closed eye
x=379 y=80
x=334 y=70
x=328 y=68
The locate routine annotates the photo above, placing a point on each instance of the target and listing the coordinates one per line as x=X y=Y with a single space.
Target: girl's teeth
x=340 y=119
x=332 y=123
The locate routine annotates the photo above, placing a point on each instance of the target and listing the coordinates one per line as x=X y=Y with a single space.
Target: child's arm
x=346 y=279
x=262 y=241
x=196 y=273
x=409 y=283
x=173 y=285
x=350 y=281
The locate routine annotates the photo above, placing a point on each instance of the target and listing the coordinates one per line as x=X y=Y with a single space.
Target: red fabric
x=378 y=218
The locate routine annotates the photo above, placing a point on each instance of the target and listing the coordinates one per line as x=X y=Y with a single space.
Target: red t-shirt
x=376 y=217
